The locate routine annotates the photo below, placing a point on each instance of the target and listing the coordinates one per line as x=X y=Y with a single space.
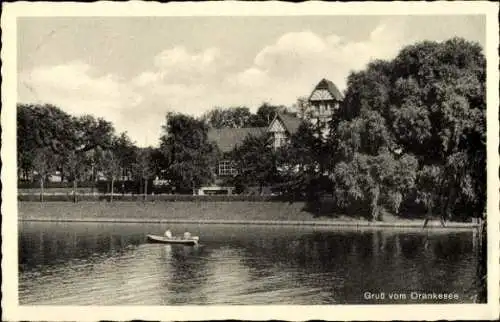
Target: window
x=226 y=168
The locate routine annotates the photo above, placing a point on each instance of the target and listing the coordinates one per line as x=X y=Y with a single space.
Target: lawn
x=208 y=211
x=203 y=210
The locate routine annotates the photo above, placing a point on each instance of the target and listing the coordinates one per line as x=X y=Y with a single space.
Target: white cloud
x=194 y=81
x=299 y=59
x=76 y=89
x=180 y=57
x=291 y=66
x=178 y=65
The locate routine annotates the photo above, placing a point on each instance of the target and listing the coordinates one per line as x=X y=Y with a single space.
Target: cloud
x=75 y=80
x=296 y=61
x=299 y=59
x=178 y=65
x=78 y=90
x=192 y=82
x=180 y=57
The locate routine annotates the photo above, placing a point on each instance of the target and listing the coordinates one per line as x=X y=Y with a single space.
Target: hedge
x=163 y=197
x=49 y=184
x=128 y=186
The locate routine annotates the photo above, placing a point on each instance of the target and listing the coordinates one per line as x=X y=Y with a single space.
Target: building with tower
x=323 y=102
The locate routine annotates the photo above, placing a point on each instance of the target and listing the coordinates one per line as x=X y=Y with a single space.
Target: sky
x=133 y=70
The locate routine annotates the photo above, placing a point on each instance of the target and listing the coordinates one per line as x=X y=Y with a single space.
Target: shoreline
x=316 y=223
x=217 y=213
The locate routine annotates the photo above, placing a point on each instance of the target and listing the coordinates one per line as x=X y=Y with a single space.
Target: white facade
x=325 y=101
x=278 y=131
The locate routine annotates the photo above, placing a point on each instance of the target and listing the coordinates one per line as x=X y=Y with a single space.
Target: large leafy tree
x=265 y=114
x=188 y=156
x=88 y=136
x=427 y=103
x=377 y=183
x=256 y=161
x=70 y=142
x=43 y=163
x=42 y=128
x=125 y=153
x=304 y=163
x=232 y=117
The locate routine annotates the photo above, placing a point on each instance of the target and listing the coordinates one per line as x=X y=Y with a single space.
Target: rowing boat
x=172 y=240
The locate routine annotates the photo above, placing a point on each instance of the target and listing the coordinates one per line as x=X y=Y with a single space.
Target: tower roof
x=330 y=87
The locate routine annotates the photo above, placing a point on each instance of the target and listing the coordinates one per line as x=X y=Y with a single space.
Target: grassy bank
x=237 y=212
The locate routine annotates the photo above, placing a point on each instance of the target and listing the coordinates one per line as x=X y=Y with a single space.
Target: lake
x=112 y=264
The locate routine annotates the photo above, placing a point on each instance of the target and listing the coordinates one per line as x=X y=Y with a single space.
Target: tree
x=304 y=160
x=232 y=117
x=43 y=164
x=75 y=166
x=26 y=144
x=429 y=102
x=189 y=157
x=91 y=133
x=42 y=127
x=303 y=108
x=256 y=161
x=109 y=164
x=143 y=168
x=379 y=182
x=265 y=114
x=87 y=136
x=125 y=151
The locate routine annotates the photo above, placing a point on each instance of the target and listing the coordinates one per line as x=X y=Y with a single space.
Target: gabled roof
x=228 y=138
x=329 y=86
x=290 y=122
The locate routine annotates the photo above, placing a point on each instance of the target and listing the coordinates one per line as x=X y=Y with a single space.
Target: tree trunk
x=41 y=188
x=112 y=188
x=92 y=179
x=75 y=198
x=145 y=189
x=428 y=215
x=374 y=203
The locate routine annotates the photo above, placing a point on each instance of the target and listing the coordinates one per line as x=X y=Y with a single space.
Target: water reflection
x=104 y=264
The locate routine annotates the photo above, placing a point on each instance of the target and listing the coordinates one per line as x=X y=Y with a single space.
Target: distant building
x=282 y=127
x=324 y=101
x=227 y=139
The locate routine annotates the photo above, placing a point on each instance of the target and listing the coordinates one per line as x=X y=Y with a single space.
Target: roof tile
x=331 y=87
x=228 y=138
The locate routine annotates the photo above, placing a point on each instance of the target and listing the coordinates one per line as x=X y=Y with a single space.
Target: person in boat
x=168 y=234
x=187 y=235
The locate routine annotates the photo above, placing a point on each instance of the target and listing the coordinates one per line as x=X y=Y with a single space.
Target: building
x=324 y=101
x=227 y=139
x=282 y=127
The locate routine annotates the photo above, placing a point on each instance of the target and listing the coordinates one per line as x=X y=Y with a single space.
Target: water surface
x=112 y=264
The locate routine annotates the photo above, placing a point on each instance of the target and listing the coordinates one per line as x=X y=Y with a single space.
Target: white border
x=11 y=310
